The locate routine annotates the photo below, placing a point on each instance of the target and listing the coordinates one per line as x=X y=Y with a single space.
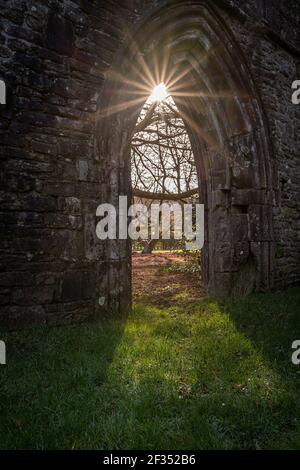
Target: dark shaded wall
x=54 y=57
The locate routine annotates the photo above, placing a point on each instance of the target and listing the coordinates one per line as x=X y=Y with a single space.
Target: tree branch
x=164 y=196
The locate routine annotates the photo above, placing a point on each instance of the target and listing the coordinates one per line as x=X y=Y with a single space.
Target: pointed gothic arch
x=225 y=121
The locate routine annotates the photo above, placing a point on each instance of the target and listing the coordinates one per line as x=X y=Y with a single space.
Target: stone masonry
x=55 y=59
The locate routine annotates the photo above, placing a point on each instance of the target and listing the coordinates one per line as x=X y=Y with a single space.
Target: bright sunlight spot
x=159 y=92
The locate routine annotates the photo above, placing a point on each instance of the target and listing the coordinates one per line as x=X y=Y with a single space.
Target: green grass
x=210 y=376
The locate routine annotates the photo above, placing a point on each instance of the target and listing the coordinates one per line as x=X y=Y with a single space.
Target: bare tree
x=162 y=161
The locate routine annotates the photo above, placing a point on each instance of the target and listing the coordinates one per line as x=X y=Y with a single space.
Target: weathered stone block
x=33 y=295
x=60 y=34
x=77 y=285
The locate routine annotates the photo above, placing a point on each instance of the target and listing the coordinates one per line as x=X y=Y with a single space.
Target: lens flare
x=159 y=93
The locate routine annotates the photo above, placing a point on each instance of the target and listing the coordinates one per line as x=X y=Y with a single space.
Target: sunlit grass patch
x=207 y=375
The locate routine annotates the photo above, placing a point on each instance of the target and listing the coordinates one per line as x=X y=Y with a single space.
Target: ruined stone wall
x=54 y=57
x=273 y=53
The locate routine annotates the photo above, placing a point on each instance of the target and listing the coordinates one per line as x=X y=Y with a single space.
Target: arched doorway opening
x=187 y=46
x=168 y=227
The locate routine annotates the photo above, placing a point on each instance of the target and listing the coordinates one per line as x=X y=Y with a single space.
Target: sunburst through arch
x=197 y=58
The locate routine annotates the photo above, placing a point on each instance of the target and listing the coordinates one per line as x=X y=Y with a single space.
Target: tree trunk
x=149 y=247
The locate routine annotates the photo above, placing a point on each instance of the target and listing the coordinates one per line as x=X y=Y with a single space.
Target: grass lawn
x=208 y=375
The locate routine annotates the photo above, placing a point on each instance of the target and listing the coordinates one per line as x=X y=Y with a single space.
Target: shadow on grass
x=209 y=375
x=271 y=322
x=49 y=387
x=238 y=387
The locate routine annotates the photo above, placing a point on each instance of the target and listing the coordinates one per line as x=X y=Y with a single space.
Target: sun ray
x=164 y=66
x=134 y=84
x=197 y=127
x=171 y=82
x=110 y=110
x=144 y=66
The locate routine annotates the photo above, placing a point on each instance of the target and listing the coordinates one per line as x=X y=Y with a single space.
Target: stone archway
x=225 y=121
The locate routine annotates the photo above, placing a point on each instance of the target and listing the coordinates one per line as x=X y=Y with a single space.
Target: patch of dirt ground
x=154 y=282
